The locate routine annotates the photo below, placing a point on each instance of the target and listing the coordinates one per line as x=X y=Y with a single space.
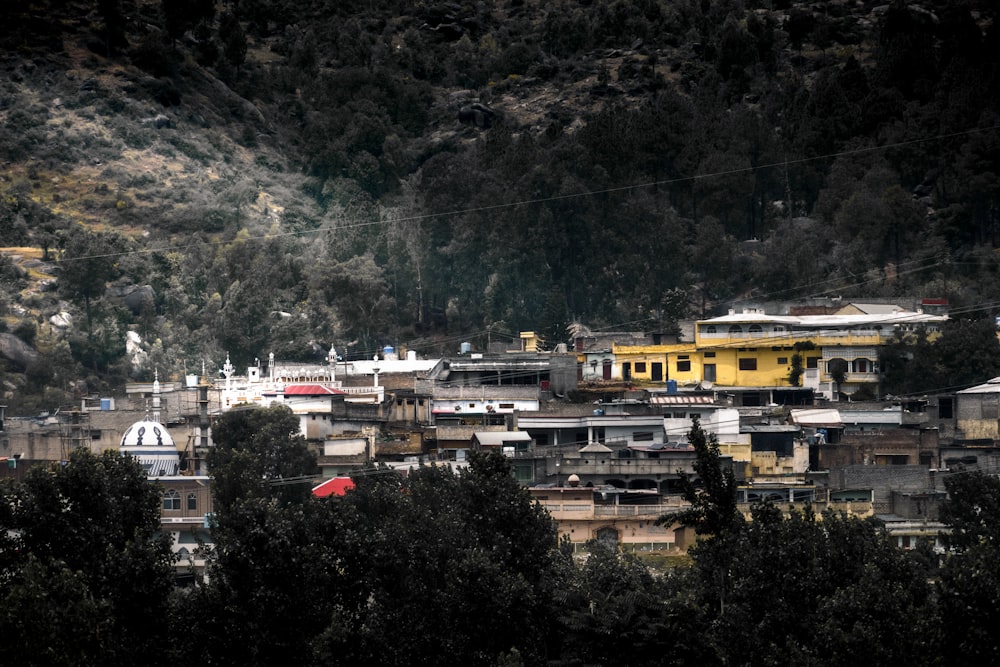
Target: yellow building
x=754 y=349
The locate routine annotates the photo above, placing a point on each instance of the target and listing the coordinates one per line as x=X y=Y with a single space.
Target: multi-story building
x=776 y=356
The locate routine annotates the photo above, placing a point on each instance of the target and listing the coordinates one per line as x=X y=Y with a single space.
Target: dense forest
x=462 y=568
x=249 y=176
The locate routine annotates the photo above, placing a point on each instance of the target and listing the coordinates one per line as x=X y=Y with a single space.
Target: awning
x=337 y=486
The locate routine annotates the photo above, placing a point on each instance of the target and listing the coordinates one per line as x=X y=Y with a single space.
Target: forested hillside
x=289 y=175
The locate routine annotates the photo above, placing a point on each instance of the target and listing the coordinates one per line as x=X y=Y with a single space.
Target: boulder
x=133 y=296
x=61 y=320
x=16 y=351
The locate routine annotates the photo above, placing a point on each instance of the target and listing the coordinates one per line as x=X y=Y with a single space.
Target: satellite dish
x=707 y=384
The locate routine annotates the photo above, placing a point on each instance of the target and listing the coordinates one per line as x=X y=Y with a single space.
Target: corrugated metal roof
x=311 y=390
x=498 y=438
x=822 y=417
x=681 y=399
x=989 y=387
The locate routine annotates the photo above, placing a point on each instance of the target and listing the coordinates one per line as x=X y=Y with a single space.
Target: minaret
x=156 y=396
x=331 y=359
x=227 y=371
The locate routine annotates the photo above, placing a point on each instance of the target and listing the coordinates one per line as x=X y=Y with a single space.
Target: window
x=945 y=408
x=642 y=436
x=812 y=362
x=748 y=364
x=507 y=405
x=171 y=500
x=710 y=329
x=710 y=355
x=192 y=501
x=755 y=329
x=640 y=367
x=779 y=328
x=860 y=366
x=782 y=361
x=683 y=365
x=735 y=330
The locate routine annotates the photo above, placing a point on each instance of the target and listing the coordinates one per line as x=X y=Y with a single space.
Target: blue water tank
x=388 y=350
x=466 y=348
x=671 y=386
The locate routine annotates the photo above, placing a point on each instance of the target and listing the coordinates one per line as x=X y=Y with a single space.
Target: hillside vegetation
x=265 y=175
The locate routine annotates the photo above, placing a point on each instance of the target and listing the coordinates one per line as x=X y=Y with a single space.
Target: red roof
x=337 y=486
x=310 y=390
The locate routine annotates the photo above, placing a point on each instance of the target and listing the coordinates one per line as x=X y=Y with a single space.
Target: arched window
x=192 y=501
x=710 y=329
x=735 y=330
x=756 y=330
x=171 y=500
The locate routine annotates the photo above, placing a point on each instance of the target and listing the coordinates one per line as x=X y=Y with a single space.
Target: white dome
x=151 y=444
x=147 y=434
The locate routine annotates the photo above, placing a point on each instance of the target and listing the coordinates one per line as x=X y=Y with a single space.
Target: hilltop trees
x=966 y=353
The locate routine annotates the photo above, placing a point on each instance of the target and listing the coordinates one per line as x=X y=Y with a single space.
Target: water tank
x=671 y=386
x=411 y=355
x=389 y=353
x=465 y=348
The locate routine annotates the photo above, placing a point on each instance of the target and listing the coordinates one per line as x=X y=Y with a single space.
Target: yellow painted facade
x=738 y=366
x=753 y=349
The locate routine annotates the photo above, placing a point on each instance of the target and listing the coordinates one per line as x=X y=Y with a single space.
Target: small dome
x=573 y=480
x=147 y=434
x=150 y=443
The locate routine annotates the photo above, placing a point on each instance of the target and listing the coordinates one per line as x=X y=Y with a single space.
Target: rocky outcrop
x=16 y=351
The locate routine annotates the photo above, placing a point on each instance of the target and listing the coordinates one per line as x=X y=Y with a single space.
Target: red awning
x=337 y=486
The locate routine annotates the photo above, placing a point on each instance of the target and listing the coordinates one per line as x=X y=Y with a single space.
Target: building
x=782 y=359
x=186 y=499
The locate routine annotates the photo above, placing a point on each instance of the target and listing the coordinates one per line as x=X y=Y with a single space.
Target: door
x=709 y=372
x=607 y=369
x=657 y=372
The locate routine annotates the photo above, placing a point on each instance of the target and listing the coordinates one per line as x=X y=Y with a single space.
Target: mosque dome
x=150 y=443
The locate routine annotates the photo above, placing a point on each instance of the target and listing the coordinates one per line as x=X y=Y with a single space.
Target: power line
x=358 y=224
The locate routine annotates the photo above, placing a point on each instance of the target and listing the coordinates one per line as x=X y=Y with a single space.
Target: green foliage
x=827 y=592
x=712 y=493
x=968 y=583
x=92 y=575
x=255 y=449
x=613 y=608
x=966 y=353
x=472 y=545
